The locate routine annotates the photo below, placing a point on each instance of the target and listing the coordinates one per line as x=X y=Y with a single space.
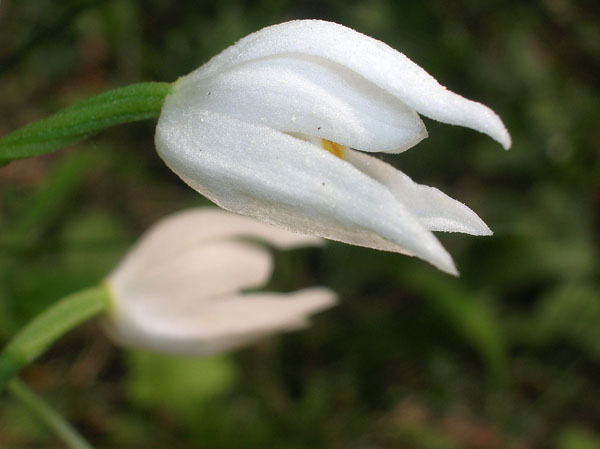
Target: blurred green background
x=506 y=356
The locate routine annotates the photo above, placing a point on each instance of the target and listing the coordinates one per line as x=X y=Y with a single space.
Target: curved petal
x=202 y=328
x=313 y=96
x=201 y=271
x=179 y=232
x=434 y=209
x=256 y=171
x=375 y=61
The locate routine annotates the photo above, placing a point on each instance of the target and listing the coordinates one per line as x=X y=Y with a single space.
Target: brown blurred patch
x=26 y=173
x=467 y=431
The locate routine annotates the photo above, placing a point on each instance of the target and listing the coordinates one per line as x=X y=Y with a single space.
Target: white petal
x=434 y=209
x=201 y=271
x=370 y=58
x=256 y=171
x=201 y=328
x=172 y=237
x=313 y=96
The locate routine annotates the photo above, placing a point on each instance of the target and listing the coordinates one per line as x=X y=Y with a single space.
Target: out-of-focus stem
x=37 y=336
x=48 y=415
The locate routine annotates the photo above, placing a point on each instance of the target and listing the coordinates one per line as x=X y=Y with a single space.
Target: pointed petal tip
x=486 y=231
x=442 y=262
x=496 y=129
x=447 y=266
x=478 y=226
x=431 y=250
x=454 y=272
x=505 y=139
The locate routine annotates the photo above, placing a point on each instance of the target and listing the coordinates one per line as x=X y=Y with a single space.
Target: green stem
x=49 y=416
x=35 y=338
x=127 y=104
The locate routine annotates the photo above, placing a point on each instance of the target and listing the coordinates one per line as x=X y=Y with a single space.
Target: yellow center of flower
x=334 y=148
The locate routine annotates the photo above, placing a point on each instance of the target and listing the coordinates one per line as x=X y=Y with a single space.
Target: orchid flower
x=180 y=289
x=278 y=125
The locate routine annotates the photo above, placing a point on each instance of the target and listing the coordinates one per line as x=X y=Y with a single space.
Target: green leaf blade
x=127 y=104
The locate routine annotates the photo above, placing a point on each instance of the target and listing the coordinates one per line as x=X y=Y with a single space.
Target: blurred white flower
x=180 y=289
x=248 y=130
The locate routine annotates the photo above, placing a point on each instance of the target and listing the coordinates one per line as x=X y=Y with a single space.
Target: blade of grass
x=47 y=415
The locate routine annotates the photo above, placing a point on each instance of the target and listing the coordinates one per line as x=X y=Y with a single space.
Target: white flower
x=180 y=289
x=248 y=129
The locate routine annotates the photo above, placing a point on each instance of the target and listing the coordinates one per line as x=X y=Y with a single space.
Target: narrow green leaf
x=127 y=104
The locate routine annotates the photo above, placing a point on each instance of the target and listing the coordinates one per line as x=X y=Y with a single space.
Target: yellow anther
x=334 y=148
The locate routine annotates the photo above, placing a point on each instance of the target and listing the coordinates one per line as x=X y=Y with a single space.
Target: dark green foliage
x=506 y=356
